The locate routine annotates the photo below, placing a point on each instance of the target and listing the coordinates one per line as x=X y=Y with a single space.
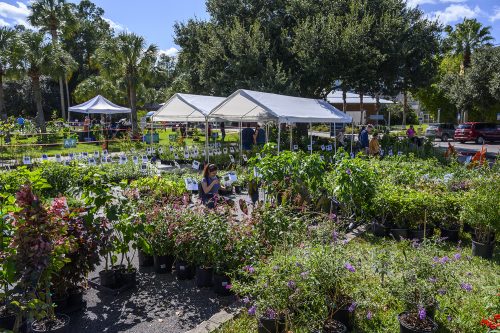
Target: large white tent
x=187 y=108
x=335 y=97
x=251 y=106
x=98 y=105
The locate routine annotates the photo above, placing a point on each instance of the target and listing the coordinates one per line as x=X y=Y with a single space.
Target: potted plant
x=160 y=237
x=481 y=209
x=447 y=215
x=41 y=243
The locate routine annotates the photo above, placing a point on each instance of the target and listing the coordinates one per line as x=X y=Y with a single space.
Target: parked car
x=478 y=132
x=443 y=131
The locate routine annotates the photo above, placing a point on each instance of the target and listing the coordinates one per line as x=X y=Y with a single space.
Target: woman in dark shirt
x=210 y=185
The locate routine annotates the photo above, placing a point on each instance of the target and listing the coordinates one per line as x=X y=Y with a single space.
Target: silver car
x=443 y=131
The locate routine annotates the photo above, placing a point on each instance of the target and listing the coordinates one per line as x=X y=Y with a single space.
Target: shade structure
x=99 y=105
x=335 y=97
x=187 y=108
x=254 y=106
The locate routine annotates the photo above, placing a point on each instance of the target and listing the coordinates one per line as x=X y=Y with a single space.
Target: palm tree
x=126 y=56
x=39 y=57
x=7 y=40
x=49 y=15
x=466 y=37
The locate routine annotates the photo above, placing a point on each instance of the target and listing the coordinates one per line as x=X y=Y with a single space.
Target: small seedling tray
x=94 y=283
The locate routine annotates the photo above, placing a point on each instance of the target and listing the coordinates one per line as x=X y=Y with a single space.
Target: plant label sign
x=196 y=165
x=322 y=157
x=171 y=148
x=26 y=160
x=96 y=154
x=160 y=150
x=309 y=147
x=390 y=152
x=224 y=150
x=352 y=155
x=149 y=151
x=210 y=153
x=172 y=137
x=71 y=156
x=85 y=155
x=177 y=165
x=400 y=153
x=67 y=163
x=186 y=155
x=231 y=150
x=58 y=158
x=103 y=160
x=144 y=167
x=45 y=157
x=295 y=147
x=231 y=157
x=105 y=152
x=176 y=157
x=323 y=147
x=329 y=148
x=217 y=144
x=191 y=184
x=381 y=152
x=92 y=161
x=145 y=159
x=245 y=158
x=232 y=176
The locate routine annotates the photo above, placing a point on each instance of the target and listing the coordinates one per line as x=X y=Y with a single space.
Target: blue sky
x=154 y=19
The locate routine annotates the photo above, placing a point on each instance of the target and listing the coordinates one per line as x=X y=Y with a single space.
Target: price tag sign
x=45 y=157
x=85 y=155
x=149 y=150
x=176 y=157
x=92 y=161
x=196 y=165
x=186 y=155
x=295 y=147
x=231 y=157
x=96 y=154
x=145 y=159
x=105 y=152
x=58 y=158
x=135 y=159
x=225 y=151
x=210 y=153
x=26 y=160
x=329 y=148
x=191 y=184
x=171 y=148
x=144 y=167
x=322 y=147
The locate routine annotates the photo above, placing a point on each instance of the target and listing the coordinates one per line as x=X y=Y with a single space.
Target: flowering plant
x=492 y=323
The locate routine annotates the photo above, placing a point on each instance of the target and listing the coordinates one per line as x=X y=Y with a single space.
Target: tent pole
x=335 y=135
x=291 y=137
x=311 y=130
x=267 y=132
x=207 y=158
x=279 y=135
x=241 y=142
x=352 y=132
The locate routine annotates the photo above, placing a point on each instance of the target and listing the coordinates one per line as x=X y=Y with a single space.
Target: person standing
x=247 y=137
x=259 y=137
x=410 y=133
x=363 y=137
x=374 y=147
x=210 y=185
x=20 y=122
x=222 y=131
x=341 y=137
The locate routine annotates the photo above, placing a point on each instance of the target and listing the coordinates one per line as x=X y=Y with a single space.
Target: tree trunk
x=344 y=100
x=53 y=33
x=40 y=118
x=133 y=107
x=3 y=113
x=377 y=105
x=466 y=60
x=68 y=99
x=361 y=106
x=405 y=106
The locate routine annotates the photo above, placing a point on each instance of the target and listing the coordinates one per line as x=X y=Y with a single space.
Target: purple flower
x=449 y=318
x=271 y=314
x=228 y=286
x=350 y=268
x=421 y=313
x=369 y=315
x=249 y=269
x=466 y=286
x=444 y=260
x=432 y=280
x=335 y=236
x=348 y=171
x=442 y=292
x=298 y=264
x=291 y=284
x=246 y=300
x=352 y=307
x=304 y=274
x=252 y=310
x=457 y=256
x=435 y=259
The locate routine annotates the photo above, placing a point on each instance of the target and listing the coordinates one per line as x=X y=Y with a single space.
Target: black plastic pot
x=378 y=229
x=267 y=325
x=400 y=233
x=483 y=250
x=119 y=269
x=237 y=189
x=404 y=328
x=419 y=233
x=184 y=270
x=220 y=285
x=129 y=276
x=7 y=321
x=450 y=235
x=145 y=260
x=64 y=329
x=163 y=264
x=345 y=317
x=339 y=327
x=107 y=278
x=61 y=302
x=204 y=277
x=75 y=297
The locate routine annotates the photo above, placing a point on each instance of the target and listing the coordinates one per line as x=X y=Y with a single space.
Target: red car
x=478 y=132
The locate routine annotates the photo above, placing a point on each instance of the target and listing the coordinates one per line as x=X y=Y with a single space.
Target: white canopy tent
x=253 y=106
x=188 y=108
x=98 y=105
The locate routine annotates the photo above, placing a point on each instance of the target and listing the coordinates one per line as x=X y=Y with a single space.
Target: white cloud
x=171 y=52
x=14 y=14
x=453 y=1
x=496 y=15
x=115 y=26
x=4 y=23
x=454 y=13
x=415 y=3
